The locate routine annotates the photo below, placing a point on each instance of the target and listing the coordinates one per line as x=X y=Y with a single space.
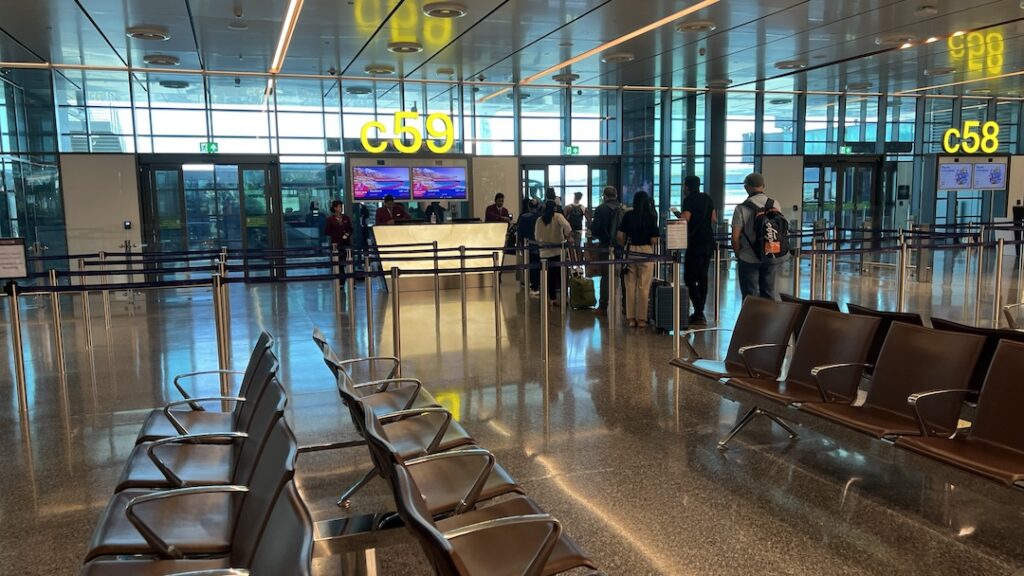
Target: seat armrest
x=169 y=474
x=152 y=538
x=1007 y=313
x=817 y=371
x=182 y=431
x=185 y=395
x=438 y=436
x=689 y=343
x=540 y=555
x=214 y=572
x=343 y=365
x=746 y=361
x=915 y=400
x=473 y=495
x=384 y=385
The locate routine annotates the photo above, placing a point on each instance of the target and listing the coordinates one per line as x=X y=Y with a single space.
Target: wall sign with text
x=406 y=136
x=973 y=138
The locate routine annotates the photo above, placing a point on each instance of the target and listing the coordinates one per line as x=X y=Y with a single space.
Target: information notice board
x=676 y=234
x=13 y=259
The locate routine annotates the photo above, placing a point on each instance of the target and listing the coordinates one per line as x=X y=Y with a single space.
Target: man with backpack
x=760 y=239
x=607 y=219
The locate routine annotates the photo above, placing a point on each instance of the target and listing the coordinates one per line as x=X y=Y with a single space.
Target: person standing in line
x=390 y=212
x=553 y=228
x=701 y=217
x=526 y=228
x=640 y=233
x=757 y=269
x=607 y=218
x=575 y=213
x=551 y=196
x=497 y=212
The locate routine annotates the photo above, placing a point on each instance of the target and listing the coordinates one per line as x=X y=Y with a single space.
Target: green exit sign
x=209 y=147
x=571 y=151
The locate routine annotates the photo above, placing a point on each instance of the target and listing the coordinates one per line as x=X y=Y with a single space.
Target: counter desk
x=394 y=240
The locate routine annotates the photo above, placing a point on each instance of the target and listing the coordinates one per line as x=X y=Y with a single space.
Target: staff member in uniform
x=390 y=212
x=497 y=212
x=339 y=227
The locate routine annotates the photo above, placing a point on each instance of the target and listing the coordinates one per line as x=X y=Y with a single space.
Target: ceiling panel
x=114 y=17
x=331 y=33
x=58 y=31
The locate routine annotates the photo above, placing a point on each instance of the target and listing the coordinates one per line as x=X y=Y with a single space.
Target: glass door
x=535 y=181
x=858 y=195
x=166 y=209
x=212 y=206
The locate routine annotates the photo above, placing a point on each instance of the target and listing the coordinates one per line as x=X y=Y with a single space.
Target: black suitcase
x=659 y=309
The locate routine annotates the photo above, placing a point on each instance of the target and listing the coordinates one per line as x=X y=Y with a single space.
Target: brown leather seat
x=992 y=338
x=994 y=447
x=763 y=324
x=194 y=461
x=887 y=319
x=914 y=359
x=196 y=521
x=805 y=307
x=512 y=537
x=158 y=425
x=284 y=547
x=450 y=482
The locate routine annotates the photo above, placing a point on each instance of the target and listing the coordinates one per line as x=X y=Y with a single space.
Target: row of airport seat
x=468 y=514
x=919 y=380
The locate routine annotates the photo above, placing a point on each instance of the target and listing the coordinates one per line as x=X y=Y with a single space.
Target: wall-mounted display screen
x=989 y=176
x=439 y=183
x=955 y=176
x=373 y=183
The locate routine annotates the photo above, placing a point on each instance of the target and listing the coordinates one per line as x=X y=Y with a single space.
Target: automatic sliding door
x=212 y=206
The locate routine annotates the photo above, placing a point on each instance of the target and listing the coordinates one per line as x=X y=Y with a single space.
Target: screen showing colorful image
x=990 y=176
x=955 y=176
x=371 y=183
x=439 y=183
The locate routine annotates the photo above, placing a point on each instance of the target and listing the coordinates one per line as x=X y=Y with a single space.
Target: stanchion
x=336 y=270
x=901 y=279
x=225 y=312
x=967 y=279
x=396 y=316
x=718 y=283
x=86 y=311
x=218 y=321
x=58 y=329
x=814 y=269
x=106 y=295
x=612 y=278
x=462 y=287
x=368 y=290
x=979 y=289
x=677 y=305
x=350 y=287
x=497 y=298
x=563 y=276
x=544 y=307
x=437 y=282
x=997 y=308
x=832 y=267
x=19 y=350
x=796 y=274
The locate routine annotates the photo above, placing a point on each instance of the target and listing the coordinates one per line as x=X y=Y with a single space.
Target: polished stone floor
x=606 y=436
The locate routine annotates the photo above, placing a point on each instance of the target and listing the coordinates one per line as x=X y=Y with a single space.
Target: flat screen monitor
x=373 y=183
x=439 y=183
x=990 y=176
x=955 y=176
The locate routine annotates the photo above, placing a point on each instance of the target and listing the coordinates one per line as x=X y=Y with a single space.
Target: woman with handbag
x=639 y=232
x=553 y=228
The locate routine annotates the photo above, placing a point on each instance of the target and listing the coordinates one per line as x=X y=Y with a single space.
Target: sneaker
x=535 y=293
x=698 y=320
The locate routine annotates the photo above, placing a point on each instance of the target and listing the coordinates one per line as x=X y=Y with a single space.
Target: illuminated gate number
x=401 y=129
x=970 y=141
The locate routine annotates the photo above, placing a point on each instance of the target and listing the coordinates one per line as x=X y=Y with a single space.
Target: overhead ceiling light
x=791 y=64
x=857 y=86
x=618 y=58
x=358 y=90
x=147 y=32
x=906 y=45
x=567 y=78
x=405 y=47
x=174 y=84
x=238 y=26
x=379 y=69
x=959 y=33
x=623 y=39
x=161 y=60
x=939 y=71
x=444 y=10
x=291 y=19
x=719 y=83
x=780 y=101
x=696 y=26
x=931 y=40
x=926 y=10
x=895 y=39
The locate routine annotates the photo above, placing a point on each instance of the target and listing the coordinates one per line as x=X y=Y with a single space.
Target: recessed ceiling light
x=894 y=39
x=567 y=78
x=791 y=64
x=906 y=45
x=174 y=84
x=618 y=58
x=926 y=10
x=161 y=60
x=855 y=86
x=959 y=33
x=358 y=90
x=939 y=71
x=379 y=69
x=979 y=91
x=238 y=26
x=696 y=26
x=446 y=71
x=780 y=101
x=719 y=83
x=147 y=32
x=931 y=39
x=444 y=10
x=405 y=47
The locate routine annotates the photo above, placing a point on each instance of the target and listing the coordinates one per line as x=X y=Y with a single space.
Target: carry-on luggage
x=581 y=289
x=659 y=310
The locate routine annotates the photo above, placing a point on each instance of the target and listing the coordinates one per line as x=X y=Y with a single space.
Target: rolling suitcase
x=660 y=306
x=581 y=289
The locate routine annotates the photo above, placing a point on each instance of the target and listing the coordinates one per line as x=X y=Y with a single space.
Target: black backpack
x=771 y=230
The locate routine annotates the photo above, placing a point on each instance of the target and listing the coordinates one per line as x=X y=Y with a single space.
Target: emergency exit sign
x=571 y=151
x=209 y=147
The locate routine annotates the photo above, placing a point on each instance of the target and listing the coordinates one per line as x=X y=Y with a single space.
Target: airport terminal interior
x=512 y=287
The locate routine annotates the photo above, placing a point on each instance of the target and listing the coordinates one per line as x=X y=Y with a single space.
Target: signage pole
x=19 y=350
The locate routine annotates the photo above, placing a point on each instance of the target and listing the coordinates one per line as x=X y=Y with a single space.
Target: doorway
x=568 y=176
x=843 y=193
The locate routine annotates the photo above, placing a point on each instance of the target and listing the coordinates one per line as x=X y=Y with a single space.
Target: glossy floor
x=606 y=436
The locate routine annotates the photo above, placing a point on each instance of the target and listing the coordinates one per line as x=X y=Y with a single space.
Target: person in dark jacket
x=603 y=231
x=526 y=225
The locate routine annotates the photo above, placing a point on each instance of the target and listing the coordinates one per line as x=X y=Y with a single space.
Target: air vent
x=405 y=47
x=857 y=86
x=719 y=83
x=696 y=26
x=161 y=60
x=444 y=10
x=939 y=71
x=159 y=33
x=618 y=58
x=791 y=65
x=567 y=78
x=780 y=101
x=238 y=26
x=358 y=90
x=446 y=71
x=379 y=69
x=174 y=84
x=899 y=39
